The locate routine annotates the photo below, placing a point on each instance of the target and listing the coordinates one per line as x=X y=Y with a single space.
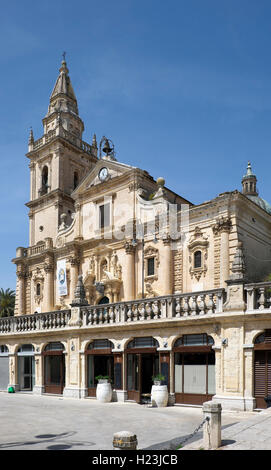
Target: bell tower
x=249 y=182
x=58 y=161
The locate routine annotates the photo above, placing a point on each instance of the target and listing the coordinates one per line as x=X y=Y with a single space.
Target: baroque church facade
x=124 y=277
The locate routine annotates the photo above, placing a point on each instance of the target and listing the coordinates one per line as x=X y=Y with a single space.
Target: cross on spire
x=64 y=56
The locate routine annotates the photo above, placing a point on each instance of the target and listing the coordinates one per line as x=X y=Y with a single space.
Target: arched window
x=75 y=179
x=38 y=289
x=26 y=348
x=194 y=340
x=197 y=259
x=3 y=349
x=143 y=342
x=44 y=180
x=100 y=344
x=54 y=347
x=103 y=300
x=45 y=175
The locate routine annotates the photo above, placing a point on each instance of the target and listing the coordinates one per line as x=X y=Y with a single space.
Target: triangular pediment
x=103 y=172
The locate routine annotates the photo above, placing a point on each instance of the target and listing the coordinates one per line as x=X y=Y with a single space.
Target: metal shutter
x=4 y=373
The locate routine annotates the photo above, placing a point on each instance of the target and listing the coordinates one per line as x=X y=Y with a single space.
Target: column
x=13 y=371
x=72 y=382
x=38 y=388
x=21 y=290
x=49 y=287
x=250 y=401
x=224 y=256
x=167 y=279
x=130 y=272
x=74 y=262
x=83 y=374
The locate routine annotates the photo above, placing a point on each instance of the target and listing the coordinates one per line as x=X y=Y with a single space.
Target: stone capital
x=129 y=248
x=222 y=225
x=48 y=267
x=74 y=260
x=21 y=274
x=167 y=240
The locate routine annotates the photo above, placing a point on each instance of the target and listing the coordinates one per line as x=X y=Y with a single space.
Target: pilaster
x=130 y=271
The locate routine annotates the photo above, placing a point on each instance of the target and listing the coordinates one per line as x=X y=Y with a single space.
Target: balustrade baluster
x=186 y=306
x=210 y=304
x=136 y=312
x=111 y=315
x=129 y=313
x=105 y=315
x=142 y=311
x=155 y=309
x=261 y=298
x=178 y=307
x=202 y=305
x=148 y=310
x=194 y=306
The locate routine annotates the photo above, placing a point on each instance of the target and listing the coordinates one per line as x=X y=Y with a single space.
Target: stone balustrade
x=158 y=308
x=73 y=139
x=258 y=296
x=35 y=322
x=194 y=305
x=173 y=306
x=36 y=249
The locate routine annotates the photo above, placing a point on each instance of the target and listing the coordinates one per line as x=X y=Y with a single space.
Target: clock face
x=103 y=174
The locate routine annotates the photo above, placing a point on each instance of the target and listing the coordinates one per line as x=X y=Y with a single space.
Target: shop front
x=262 y=369
x=26 y=367
x=4 y=367
x=142 y=359
x=194 y=369
x=100 y=362
x=54 y=368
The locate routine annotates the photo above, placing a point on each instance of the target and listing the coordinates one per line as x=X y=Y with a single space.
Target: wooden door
x=98 y=364
x=54 y=372
x=134 y=377
x=262 y=377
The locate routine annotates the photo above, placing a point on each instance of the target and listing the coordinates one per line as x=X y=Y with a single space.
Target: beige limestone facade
x=123 y=277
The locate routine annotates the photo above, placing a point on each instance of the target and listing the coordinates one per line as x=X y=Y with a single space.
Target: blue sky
x=181 y=87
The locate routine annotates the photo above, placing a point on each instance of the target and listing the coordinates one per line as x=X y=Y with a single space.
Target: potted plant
x=158 y=379
x=104 y=389
x=159 y=392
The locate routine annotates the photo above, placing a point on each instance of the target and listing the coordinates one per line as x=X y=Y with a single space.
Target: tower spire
x=63 y=108
x=63 y=84
x=249 y=181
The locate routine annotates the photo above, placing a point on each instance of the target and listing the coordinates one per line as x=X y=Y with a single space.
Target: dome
x=260 y=202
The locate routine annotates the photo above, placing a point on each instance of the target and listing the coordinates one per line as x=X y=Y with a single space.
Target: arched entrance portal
x=194 y=369
x=26 y=367
x=262 y=368
x=103 y=300
x=100 y=361
x=142 y=361
x=54 y=368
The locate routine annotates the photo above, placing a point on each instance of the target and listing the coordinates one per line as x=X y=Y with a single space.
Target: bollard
x=124 y=440
x=212 y=427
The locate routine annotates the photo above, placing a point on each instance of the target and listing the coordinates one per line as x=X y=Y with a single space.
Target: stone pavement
x=35 y=422
x=253 y=433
